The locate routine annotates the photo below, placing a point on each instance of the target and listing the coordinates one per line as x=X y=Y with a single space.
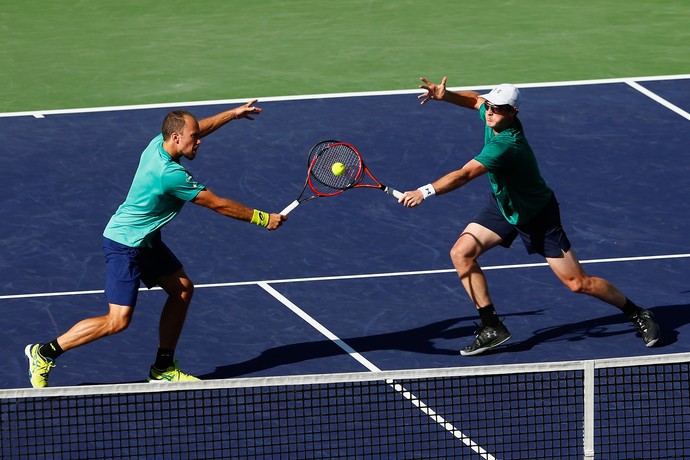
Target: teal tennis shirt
x=513 y=172
x=160 y=188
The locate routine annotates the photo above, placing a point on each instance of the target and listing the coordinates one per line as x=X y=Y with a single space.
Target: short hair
x=174 y=122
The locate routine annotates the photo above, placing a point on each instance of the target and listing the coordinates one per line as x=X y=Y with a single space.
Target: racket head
x=321 y=178
x=318 y=147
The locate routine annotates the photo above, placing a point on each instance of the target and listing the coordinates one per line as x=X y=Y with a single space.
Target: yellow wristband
x=260 y=218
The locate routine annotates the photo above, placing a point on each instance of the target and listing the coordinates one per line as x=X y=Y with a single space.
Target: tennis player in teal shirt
x=135 y=252
x=160 y=188
x=521 y=204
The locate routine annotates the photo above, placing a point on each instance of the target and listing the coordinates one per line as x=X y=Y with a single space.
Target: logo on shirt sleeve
x=190 y=180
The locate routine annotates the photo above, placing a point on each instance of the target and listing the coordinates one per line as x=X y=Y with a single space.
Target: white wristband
x=427 y=190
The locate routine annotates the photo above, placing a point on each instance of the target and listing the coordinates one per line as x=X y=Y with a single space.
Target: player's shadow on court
x=421 y=340
x=669 y=317
x=417 y=340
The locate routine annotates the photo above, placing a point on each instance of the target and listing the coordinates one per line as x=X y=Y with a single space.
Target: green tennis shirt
x=160 y=188
x=513 y=172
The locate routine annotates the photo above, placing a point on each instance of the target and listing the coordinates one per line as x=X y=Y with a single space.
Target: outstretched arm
x=210 y=124
x=438 y=92
x=445 y=184
x=236 y=210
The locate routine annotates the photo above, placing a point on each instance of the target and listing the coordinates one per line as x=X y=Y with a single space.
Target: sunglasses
x=497 y=108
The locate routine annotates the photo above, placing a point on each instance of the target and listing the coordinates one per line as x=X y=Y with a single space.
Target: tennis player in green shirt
x=522 y=204
x=135 y=252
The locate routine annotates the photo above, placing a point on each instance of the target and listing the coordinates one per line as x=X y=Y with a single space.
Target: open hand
x=433 y=91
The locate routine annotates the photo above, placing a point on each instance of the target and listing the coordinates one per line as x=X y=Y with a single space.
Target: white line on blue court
x=423 y=407
x=358 y=276
x=659 y=99
x=606 y=81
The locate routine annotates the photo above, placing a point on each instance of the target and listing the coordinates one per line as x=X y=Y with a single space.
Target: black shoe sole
x=483 y=349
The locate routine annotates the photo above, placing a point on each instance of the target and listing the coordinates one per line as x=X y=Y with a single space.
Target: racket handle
x=393 y=192
x=289 y=208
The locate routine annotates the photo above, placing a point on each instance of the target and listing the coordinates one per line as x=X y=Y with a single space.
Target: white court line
x=316 y=325
x=373 y=368
x=605 y=81
x=352 y=277
x=659 y=99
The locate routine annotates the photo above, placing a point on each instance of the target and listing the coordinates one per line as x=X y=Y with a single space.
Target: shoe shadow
x=670 y=319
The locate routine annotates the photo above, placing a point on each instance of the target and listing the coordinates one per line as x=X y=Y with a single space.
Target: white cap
x=504 y=94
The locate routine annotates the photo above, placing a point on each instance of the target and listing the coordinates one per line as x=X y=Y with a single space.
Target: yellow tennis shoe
x=39 y=367
x=171 y=374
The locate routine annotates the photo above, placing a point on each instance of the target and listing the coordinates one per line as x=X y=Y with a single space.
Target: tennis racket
x=323 y=182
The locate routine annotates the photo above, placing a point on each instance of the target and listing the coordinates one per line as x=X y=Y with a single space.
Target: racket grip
x=289 y=208
x=394 y=192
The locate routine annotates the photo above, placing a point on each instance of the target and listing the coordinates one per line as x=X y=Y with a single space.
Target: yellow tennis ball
x=338 y=169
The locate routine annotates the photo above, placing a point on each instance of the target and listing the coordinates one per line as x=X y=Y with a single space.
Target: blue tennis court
x=613 y=155
x=357 y=267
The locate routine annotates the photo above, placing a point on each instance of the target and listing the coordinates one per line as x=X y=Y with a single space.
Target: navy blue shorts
x=542 y=235
x=127 y=267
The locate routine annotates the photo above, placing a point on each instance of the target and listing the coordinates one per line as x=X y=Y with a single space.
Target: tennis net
x=616 y=408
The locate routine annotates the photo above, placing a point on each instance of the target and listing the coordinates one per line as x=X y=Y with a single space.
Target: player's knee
x=461 y=260
x=457 y=254
x=187 y=289
x=577 y=285
x=118 y=324
x=181 y=288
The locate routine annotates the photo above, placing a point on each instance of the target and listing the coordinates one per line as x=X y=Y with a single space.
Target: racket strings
x=325 y=181
x=316 y=150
